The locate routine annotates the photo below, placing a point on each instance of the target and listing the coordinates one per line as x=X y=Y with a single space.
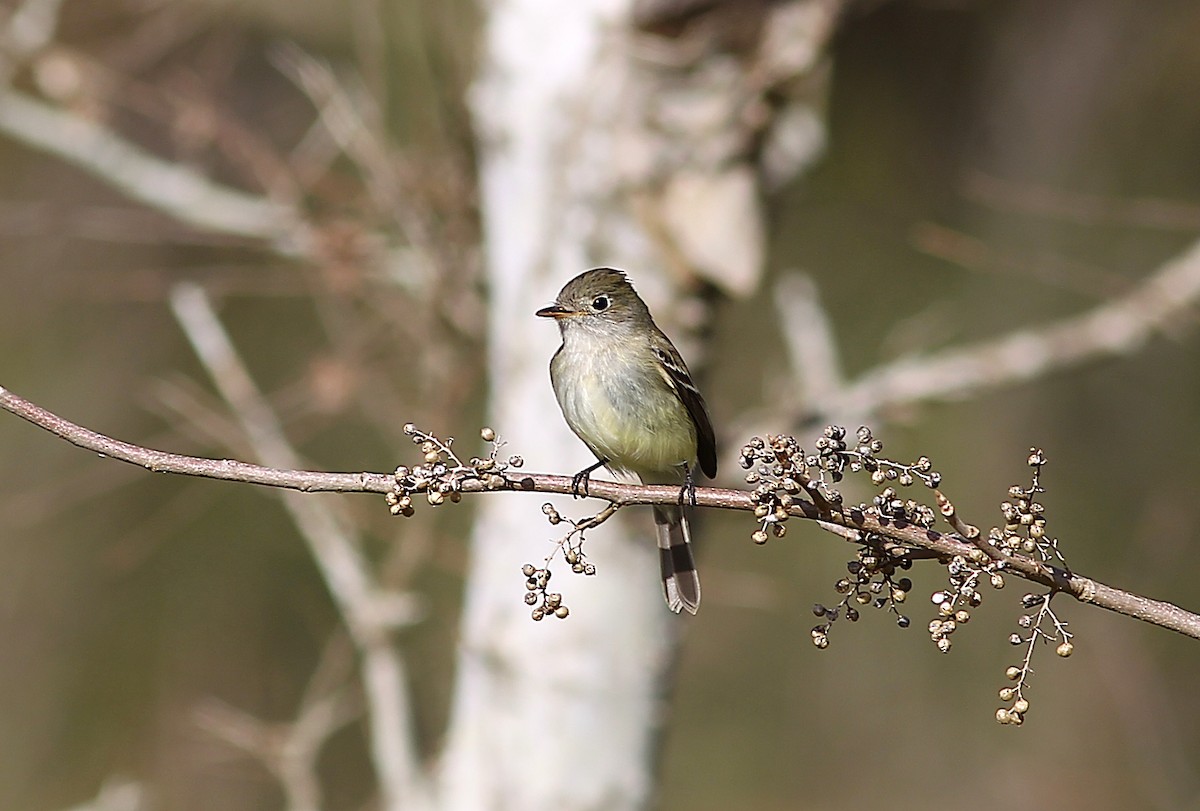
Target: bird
x=626 y=392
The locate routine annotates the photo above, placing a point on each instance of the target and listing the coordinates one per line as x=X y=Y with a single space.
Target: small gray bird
x=625 y=391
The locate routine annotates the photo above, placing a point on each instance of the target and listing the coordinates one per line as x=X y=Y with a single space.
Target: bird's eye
x=600 y=303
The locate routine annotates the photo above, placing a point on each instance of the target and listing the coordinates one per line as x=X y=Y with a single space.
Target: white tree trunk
x=588 y=158
x=552 y=714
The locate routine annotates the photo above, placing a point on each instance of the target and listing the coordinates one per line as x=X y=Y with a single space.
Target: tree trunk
x=591 y=154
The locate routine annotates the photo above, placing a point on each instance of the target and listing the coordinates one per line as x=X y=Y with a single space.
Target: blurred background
x=989 y=165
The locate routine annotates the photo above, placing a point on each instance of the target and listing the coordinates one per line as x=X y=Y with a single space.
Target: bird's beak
x=556 y=311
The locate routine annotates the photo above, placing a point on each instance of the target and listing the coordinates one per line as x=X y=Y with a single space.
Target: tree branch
x=1119 y=326
x=162 y=185
x=368 y=611
x=845 y=523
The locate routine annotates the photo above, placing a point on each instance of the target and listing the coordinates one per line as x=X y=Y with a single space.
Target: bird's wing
x=675 y=373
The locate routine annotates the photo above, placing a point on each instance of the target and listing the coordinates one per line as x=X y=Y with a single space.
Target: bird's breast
x=621 y=407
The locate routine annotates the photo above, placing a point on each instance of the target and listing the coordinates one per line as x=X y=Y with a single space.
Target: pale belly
x=632 y=419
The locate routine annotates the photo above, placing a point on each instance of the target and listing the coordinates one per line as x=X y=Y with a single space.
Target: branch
x=1119 y=326
x=160 y=184
x=368 y=611
x=847 y=524
x=289 y=751
x=117 y=794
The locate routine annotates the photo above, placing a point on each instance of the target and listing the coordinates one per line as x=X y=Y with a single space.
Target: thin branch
x=367 y=611
x=809 y=338
x=28 y=29
x=1084 y=589
x=1117 y=327
x=163 y=185
x=116 y=795
x=1052 y=270
x=1087 y=209
x=339 y=111
x=288 y=750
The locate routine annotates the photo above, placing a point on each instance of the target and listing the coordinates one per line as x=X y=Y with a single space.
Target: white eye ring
x=600 y=303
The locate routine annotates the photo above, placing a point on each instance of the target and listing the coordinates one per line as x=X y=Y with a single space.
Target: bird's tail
x=681 y=584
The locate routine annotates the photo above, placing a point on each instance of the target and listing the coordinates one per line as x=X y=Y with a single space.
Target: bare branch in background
x=289 y=751
x=163 y=185
x=1117 y=327
x=27 y=30
x=116 y=795
x=809 y=338
x=1087 y=209
x=1051 y=270
x=368 y=611
x=345 y=115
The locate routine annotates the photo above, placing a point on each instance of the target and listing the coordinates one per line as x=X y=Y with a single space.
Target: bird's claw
x=580 y=481
x=687 y=493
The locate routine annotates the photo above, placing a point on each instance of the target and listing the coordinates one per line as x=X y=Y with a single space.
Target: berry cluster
x=442 y=473
x=782 y=471
x=871 y=582
x=967 y=575
x=571 y=545
x=1024 y=532
x=537 y=581
x=1024 y=528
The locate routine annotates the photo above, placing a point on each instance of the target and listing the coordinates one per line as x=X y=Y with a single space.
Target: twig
x=288 y=750
x=1155 y=612
x=28 y=29
x=367 y=612
x=116 y=795
x=1117 y=327
x=169 y=187
x=377 y=161
x=1089 y=209
x=808 y=337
